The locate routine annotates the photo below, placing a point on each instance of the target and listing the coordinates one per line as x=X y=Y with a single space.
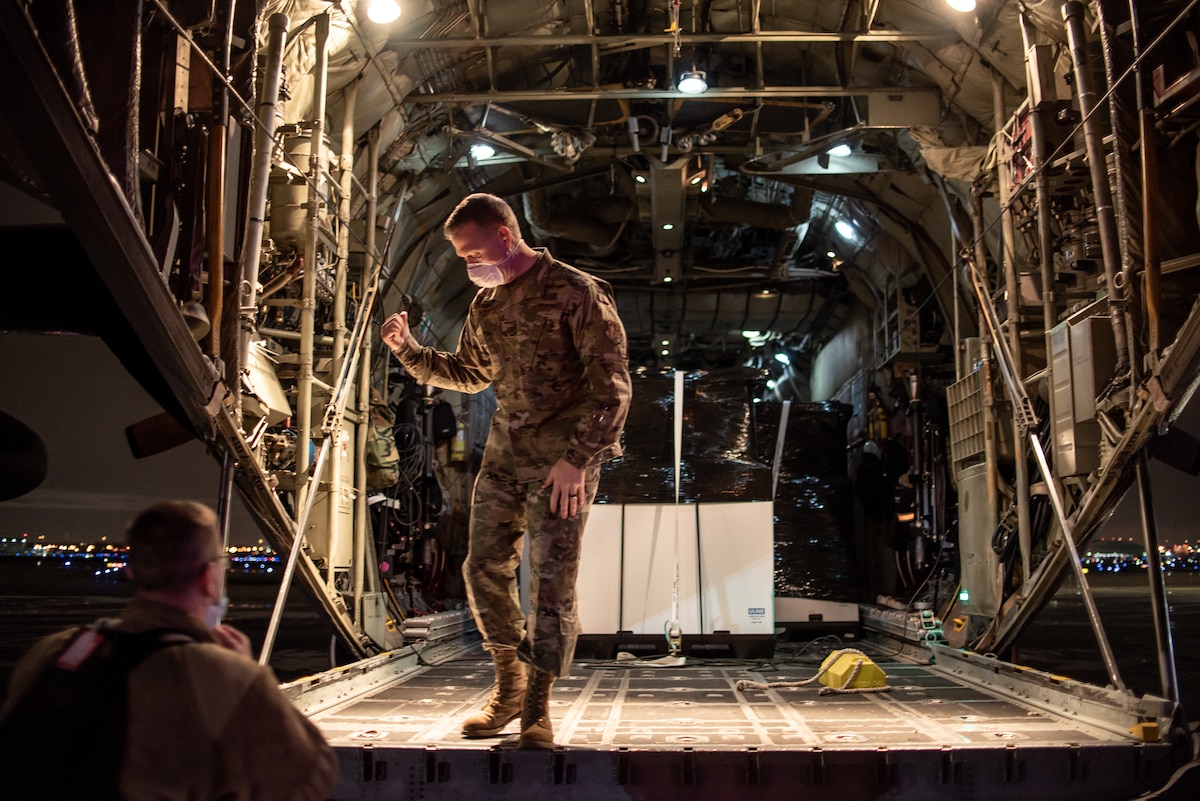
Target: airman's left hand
x=566 y=489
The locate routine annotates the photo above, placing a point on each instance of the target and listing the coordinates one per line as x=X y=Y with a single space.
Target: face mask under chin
x=491 y=274
x=214 y=613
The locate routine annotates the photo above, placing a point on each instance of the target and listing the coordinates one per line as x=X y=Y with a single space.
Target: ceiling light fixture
x=831 y=254
x=668 y=226
x=641 y=179
x=961 y=5
x=693 y=82
x=840 y=151
x=385 y=11
x=482 y=151
x=844 y=229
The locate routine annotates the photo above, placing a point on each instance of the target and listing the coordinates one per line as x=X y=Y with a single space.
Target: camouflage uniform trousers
x=501 y=513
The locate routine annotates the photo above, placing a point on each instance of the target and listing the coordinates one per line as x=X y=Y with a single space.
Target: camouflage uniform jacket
x=552 y=346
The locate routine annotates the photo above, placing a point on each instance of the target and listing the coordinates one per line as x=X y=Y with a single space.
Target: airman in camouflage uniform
x=547 y=338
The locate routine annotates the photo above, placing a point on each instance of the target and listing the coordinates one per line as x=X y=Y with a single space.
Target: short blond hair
x=483 y=210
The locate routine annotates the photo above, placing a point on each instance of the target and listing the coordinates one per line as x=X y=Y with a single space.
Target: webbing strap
x=783 y=422
x=673 y=629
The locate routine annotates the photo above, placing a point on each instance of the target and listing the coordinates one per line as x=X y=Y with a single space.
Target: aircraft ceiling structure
x=813 y=176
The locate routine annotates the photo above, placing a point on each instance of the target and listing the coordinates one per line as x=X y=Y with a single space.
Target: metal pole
x=960 y=353
x=361 y=523
x=217 y=144
x=1149 y=150
x=1045 y=224
x=349 y=95
x=304 y=384
x=228 y=466
x=336 y=480
x=1158 y=591
x=985 y=365
x=1068 y=535
x=1110 y=244
x=1125 y=190
x=302 y=513
x=264 y=142
x=1009 y=229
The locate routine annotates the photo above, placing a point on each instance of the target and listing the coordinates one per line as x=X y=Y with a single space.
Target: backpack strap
x=75 y=714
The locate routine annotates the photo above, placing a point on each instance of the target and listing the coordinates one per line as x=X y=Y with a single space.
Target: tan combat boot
x=507 y=697
x=536 y=731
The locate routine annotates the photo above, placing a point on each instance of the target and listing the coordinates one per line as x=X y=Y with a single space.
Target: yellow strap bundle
x=846 y=671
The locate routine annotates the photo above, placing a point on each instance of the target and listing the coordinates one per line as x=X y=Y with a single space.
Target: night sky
x=74 y=393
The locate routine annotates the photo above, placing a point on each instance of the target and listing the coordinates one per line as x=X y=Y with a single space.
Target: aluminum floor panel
x=632 y=731
x=613 y=707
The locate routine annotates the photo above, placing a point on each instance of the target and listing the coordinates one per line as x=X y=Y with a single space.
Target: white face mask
x=490 y=274
x=214 y=612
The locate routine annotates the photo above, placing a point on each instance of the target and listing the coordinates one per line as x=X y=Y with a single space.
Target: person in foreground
x=547 y=338
x=196 y=717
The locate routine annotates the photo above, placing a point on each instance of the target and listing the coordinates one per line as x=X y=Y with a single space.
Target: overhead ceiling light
x=385 y=11
x=693 y=82
x=641 y=179
x=961 y=5
x=840 y=151
x=831 y=254
x=481 y=151
x=844 y=229
x=666 y=279
x=668 y=226
x=752 y=334
x=782 y=357
x=697 y=178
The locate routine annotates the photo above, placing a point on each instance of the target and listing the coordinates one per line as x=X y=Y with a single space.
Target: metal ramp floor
x=629 y=730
